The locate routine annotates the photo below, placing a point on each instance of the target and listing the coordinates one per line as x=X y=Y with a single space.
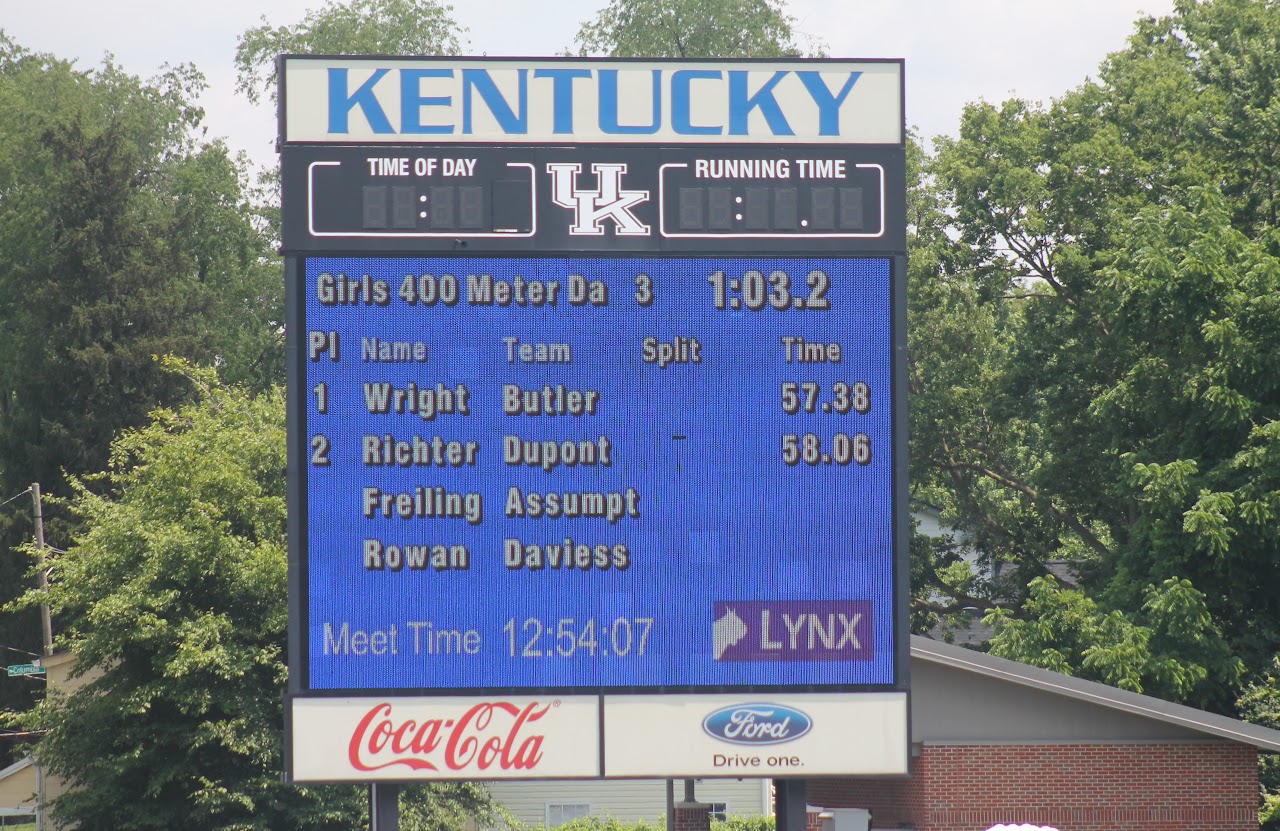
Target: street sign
x=16 y=670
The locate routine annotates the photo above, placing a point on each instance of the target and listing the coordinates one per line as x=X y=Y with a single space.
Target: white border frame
x=732 y=234
x=311 y=219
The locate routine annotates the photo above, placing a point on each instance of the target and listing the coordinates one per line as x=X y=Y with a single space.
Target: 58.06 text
x=808 y=448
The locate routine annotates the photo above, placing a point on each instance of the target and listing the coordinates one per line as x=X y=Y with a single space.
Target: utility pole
x=46 y=634
x=46 y=623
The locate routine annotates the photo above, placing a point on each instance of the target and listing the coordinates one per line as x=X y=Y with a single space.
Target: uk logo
x=607 y=201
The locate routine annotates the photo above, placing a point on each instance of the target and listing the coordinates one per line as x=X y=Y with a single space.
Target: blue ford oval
x=756 y=724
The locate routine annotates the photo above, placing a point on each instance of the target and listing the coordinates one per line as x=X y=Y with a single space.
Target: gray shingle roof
x=1211 y=724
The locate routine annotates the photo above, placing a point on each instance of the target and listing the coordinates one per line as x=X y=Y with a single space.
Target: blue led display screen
x=598 y=473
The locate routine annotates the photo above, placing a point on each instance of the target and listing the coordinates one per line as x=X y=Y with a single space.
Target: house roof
x=17 y=787
x=24 y=762
x=1091 y=692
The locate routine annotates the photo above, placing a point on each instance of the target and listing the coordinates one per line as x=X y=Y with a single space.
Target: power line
x=17 y=495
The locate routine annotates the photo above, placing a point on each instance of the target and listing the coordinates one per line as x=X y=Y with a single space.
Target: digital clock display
x=572 y=473
x=784 y=197
x=677 y=200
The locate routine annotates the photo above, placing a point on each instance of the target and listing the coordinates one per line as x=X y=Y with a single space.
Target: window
x=558 y=813
x=719 y=811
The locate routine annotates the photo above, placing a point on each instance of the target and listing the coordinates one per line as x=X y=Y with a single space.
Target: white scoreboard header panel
x=441 y=101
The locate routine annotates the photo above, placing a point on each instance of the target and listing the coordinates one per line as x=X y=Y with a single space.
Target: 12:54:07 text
x=569 y=637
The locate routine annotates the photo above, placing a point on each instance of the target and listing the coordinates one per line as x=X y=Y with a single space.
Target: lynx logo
x=607 y=201
x=792 y=630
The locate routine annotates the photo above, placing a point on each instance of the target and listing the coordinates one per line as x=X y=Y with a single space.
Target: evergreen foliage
x=123 y=235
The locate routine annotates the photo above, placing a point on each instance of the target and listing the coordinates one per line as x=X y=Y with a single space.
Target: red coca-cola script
x=488 y=734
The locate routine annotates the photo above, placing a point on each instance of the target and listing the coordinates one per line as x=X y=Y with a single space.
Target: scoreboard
x=603 y=432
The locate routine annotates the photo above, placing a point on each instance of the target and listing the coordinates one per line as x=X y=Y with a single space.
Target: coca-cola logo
x=489 y=734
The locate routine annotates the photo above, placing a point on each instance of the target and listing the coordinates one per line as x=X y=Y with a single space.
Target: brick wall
x=692 y=816
x=1123 y=787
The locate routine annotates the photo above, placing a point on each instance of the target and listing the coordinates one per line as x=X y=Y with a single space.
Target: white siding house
x=553 y=802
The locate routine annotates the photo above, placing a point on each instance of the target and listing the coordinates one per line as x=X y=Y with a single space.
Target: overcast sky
x=957 y=51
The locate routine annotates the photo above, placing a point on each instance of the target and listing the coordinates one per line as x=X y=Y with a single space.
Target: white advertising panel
x=441 y=101
x=407 y=738
x=765 y=734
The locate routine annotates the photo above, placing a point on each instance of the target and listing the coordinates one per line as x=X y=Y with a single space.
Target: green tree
x=1095 y=375
x=174 y=587
x=690 y=29
x=1065 y=630
x=1260 y=704
x=358 y=27
x=954 y=339
x=123 y=237
x=123 y=234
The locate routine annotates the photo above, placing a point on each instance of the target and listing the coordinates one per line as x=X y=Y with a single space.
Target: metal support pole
x=39 y=797
x=384 y=807
x=46 y=623
x=790 y=804
x=671 y=804
x=688 y=791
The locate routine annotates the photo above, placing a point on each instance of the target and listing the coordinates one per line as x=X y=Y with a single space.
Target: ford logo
x=756 y=724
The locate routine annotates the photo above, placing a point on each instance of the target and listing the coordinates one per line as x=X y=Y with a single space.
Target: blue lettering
x=741 y=105
x=412 y=101
x=562 y=95
x=502 y=112
x=512 y=115
x=609 y=106
x=680 y=115
x=828 y=105
x=340 y=103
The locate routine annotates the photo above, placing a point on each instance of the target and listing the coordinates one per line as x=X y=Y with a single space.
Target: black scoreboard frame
x=317 y=221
